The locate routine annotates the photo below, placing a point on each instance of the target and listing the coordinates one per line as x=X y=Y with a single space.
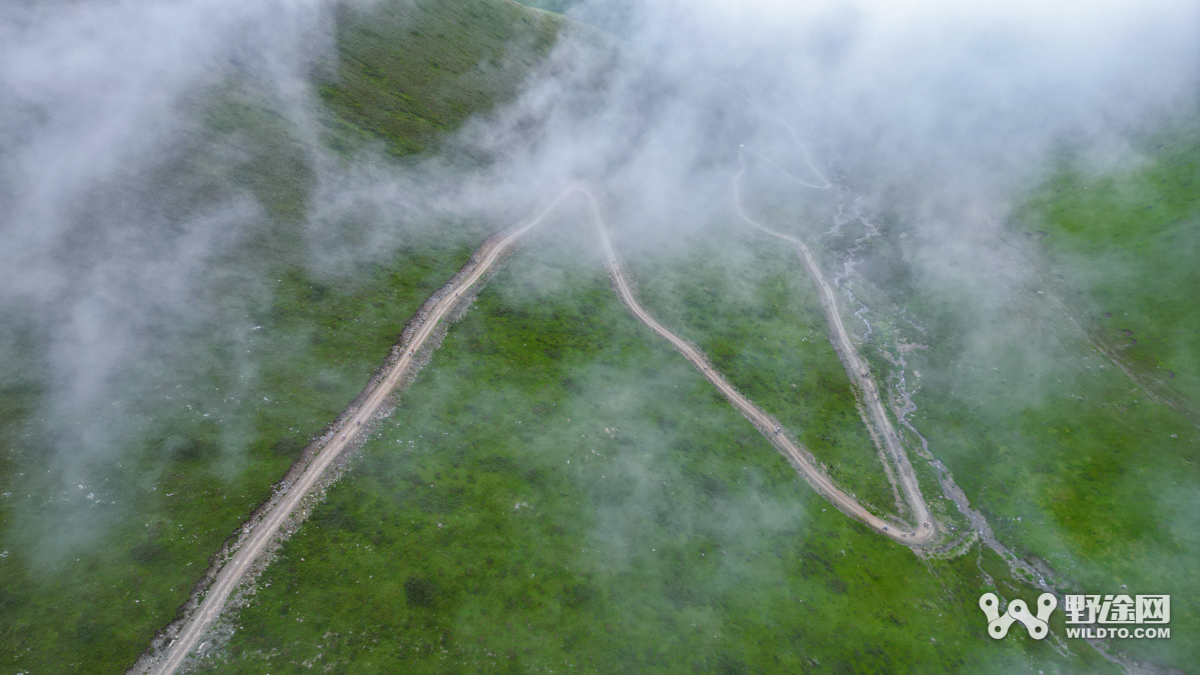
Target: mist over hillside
x=176 y=175
x=953 y=106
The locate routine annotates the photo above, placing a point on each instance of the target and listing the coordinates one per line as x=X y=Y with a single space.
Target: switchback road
x=860 y=374
x=262 y=533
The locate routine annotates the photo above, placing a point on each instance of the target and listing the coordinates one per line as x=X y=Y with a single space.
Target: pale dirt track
x=229 y=576
x=263 y=532
x=860 y=374
x=796 y=453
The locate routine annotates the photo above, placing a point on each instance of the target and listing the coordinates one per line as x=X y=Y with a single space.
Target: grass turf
x=214 y=412
x=1073 y=463
x=749 y=304
x=560 y=490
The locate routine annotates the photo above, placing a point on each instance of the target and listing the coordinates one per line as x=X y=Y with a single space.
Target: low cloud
x=107 y=260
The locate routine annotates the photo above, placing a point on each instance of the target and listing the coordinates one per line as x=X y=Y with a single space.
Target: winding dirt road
x=233 y=570
x=859 y=373
x=797 y=454
x=263 y=532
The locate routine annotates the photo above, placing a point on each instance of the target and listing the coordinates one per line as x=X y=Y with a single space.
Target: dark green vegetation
x=97 y=602
x=675 y=539
x=409 y=72
x=97 y=554
x=1069 y=457
x=1129 y=239
x=747 y=302
x=559 y=490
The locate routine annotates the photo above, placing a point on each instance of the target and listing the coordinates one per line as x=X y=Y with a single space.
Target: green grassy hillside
x=1075 y=462
x=560 y=491
x=409 y=72
x=1126 y=241
x=209 y=420
x=747 y=302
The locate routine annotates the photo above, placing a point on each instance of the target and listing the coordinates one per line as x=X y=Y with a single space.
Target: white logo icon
x=1017 y=611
